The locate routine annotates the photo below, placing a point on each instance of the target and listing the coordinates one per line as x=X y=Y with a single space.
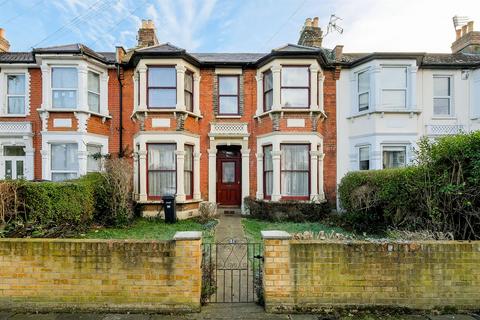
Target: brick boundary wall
x=101 y=275
x=310 y=275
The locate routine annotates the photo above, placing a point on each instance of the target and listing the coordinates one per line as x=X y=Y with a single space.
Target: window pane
x=16 y=105
x=8 y=169
x=58 y=176
x=162 y=98
x=188 y=82
x=441 y=106
x=441 y=86
x=19 y=169
x=162 y=77
x=188 y=101
x=64 y=99
x=228 y=105
x=394 y=77
x=364 y=153
x=364 y=158
x=363 y=102
x=268 y=100
x=295 y=98
x=267 y=81
x=363 y=82
x=268 y=162
x=65 y=157
x=16 y=84
x=268 y=183
x=94 y=159
x=228 y=85
x=228 y=172
x=93 y=82
x=93 y=102
x=188 y=183
x=394 y=157
x=394 y=98
x=188 y=162
x=295 y=184
x=64 y=78
x=162 y=183
x=268 y=167
x=295 y=77
x=161 y=157
x=294 y=157
x=13 y=151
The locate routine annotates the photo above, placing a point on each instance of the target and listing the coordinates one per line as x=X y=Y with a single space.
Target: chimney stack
x=4 y=44
x=146 y=34
x=467 y=40
x=311 y=35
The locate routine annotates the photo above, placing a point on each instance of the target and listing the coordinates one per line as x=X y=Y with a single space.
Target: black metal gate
x=232 y=272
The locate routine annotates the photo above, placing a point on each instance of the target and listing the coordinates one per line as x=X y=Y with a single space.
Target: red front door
x=229 y=185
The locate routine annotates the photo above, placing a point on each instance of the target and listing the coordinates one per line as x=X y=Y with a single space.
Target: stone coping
x=187 y=235
x=74 y=240
x=275 y=234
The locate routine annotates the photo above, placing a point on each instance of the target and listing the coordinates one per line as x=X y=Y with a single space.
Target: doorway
x=229 y=176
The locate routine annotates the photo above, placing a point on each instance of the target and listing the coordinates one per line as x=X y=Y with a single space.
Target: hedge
x=439 y=193
x=296 y=211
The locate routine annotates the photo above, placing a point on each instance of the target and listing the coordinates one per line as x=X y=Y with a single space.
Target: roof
x=16 y=57
x=161 y=48
x=76 y=48
x=228 y=57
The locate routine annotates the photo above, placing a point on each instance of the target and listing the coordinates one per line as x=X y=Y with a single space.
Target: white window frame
x=404 y=89
x=450 y=97
x=24 y=95
x=99 y=93
x=52 y=89
x=392 y=147
x=89 y=156
x=369 y=157
x=4 y=73
x=359 y=93
x=53 y=171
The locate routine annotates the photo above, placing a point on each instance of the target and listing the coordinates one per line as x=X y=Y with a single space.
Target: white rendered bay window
x=64 y=87
x=394 y=157
x=363 y=88
x=64 y=161
x=295 y=171
x=162 y=87
x=394 y=87
x=295 y=87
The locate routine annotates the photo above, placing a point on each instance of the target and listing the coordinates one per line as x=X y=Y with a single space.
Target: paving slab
x=80 y=316
x=46 y=316
x=452 y=317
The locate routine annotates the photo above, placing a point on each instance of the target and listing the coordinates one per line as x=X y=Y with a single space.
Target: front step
x=229 y=211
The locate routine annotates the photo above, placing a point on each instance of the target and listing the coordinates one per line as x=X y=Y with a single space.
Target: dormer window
x=16 y=94
x=363 y=91
x=162 y=87
x=295 y=87
x=93 y=92
x=64 y=87
x=394 y=87
x=267 y=90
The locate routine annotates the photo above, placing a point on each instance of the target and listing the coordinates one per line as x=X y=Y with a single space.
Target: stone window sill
x=76 y=110
x=174 y=111
x=286 y=110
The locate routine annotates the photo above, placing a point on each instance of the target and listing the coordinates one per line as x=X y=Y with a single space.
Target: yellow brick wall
x=46 y=274
x=309 y=275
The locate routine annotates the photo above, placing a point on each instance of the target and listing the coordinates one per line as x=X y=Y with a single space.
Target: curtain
x=16 y=94
x=64 y=162
x=161 y=169
x=64 y=87
x=268 y=165
x=295 y=170
x=394 y=157
x=188 y=170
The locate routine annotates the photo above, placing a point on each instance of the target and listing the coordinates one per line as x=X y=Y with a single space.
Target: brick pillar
x=277 y=286
x=188 y=252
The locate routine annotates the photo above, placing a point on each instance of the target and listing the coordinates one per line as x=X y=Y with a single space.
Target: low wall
x=311 y=275
x=61 y=274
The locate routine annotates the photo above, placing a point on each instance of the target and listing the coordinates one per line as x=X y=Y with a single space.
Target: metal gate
x=232 y=271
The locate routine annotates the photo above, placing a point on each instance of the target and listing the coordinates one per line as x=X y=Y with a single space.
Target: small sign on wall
x=62 y=123
x=161 y=123
x=296 y=123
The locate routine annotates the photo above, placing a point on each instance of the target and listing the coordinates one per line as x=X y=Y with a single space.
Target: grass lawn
x=253 y=227
x=151 y=229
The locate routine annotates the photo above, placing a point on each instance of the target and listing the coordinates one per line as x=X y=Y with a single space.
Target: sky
x=235 y=25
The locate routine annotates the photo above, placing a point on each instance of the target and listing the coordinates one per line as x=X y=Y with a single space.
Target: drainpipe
x=120 y=90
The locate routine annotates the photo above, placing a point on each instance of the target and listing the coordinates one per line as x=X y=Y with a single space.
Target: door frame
x=237 y=159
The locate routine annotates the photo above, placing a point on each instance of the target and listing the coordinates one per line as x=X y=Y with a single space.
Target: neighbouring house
x=223 y=126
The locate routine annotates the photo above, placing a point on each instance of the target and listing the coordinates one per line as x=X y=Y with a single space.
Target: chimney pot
x=311 y=35
x=308 y=22
x=470 y=26
x=315 y=22
x=146 y=34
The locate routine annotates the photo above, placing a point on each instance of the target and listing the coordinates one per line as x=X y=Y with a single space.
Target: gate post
x=188 y=251
x=277 y=286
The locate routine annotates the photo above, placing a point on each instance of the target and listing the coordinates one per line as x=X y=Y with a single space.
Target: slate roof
x=161 y=48
x=424 y=59
x=16 y=57
x=228 y=57
x=77 y=48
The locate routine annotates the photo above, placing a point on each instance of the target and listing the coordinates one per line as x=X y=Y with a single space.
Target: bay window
x=267 y=172
x=228 y=96
x=267 y=90
x=188 y=171
x=363 y=87
x=442 y=96
x=188 y=91
x=94 y=158
x=394 y=157
x=394 y=87
x=16 y=94
x=64 y=87
x=162 y=87
x=295 y=87
x=364 y=158
x=93 y=91
x=295 y=171
x=64 y=161
x=161 y=170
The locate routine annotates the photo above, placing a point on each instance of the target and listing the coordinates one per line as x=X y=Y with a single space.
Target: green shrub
x=296 y=211
x=440 y=193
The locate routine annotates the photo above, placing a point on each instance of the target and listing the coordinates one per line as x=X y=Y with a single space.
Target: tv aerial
x=333 y=26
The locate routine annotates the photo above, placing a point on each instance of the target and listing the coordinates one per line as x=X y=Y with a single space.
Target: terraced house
x=284 y=125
